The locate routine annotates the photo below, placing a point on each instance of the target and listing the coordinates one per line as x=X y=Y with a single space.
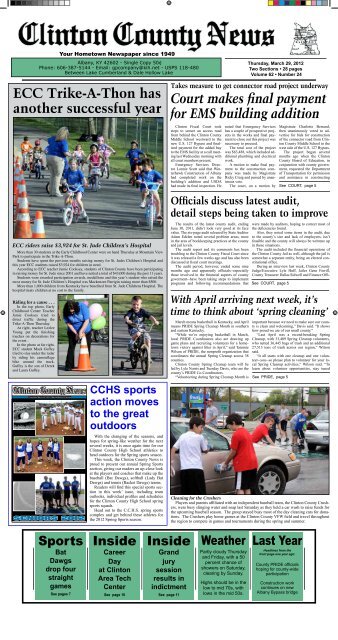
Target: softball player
x=78 y=419
x=50 y=450
x=53 y=415
x=71 y=416
x=29 y=450
x=43 y=412
x=59 y=414
x=66 y=413
x=20 y=455
x=40 y=449
x=56 y=451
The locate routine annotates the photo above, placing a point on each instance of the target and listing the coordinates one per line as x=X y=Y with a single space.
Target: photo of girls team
x=55 y=494
x=38 y=454
x=49 y=459
x=60 y=417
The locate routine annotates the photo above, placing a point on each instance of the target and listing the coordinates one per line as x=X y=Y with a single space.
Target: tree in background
x=279 y=396
x=91 y=126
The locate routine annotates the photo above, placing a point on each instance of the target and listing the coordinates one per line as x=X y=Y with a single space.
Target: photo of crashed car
x=276 y=465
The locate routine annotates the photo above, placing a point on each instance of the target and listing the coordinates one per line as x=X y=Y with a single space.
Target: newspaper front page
x=169 y=298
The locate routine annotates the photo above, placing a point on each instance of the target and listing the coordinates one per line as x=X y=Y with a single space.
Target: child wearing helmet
x=94 y=158
x=105 y=150
x=134 y=155
x=37 y=155
x=150 y=175
x=76 y=180
x=103 y=147
x=79 y=155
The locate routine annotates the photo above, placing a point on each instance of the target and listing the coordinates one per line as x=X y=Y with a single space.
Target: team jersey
x=21 y=450
x=66 y=484
x=45 y=486
x=56 y=447
x=75 y=485
x=50 y=445
x=29 y=447
x=39 y=447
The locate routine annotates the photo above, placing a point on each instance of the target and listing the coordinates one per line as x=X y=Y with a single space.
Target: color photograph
x=83 y=335
x=60 y=494
x=137 y=335
x=60 y=417
x=35 y=455
x=89 y=177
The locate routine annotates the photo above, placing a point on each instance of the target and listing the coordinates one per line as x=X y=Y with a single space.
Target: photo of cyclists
x=83 y=335
x=137 y=334
x=90 y=177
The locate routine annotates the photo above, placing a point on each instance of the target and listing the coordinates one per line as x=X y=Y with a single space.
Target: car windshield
x=216 y=441
x=323 y=416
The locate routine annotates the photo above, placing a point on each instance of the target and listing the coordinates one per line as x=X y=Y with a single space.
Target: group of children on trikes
x=139 y=345
x=32 y=157
x=142 y=170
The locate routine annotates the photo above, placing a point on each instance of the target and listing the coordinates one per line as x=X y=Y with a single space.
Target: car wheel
x=311 y=446
x=270 y=480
